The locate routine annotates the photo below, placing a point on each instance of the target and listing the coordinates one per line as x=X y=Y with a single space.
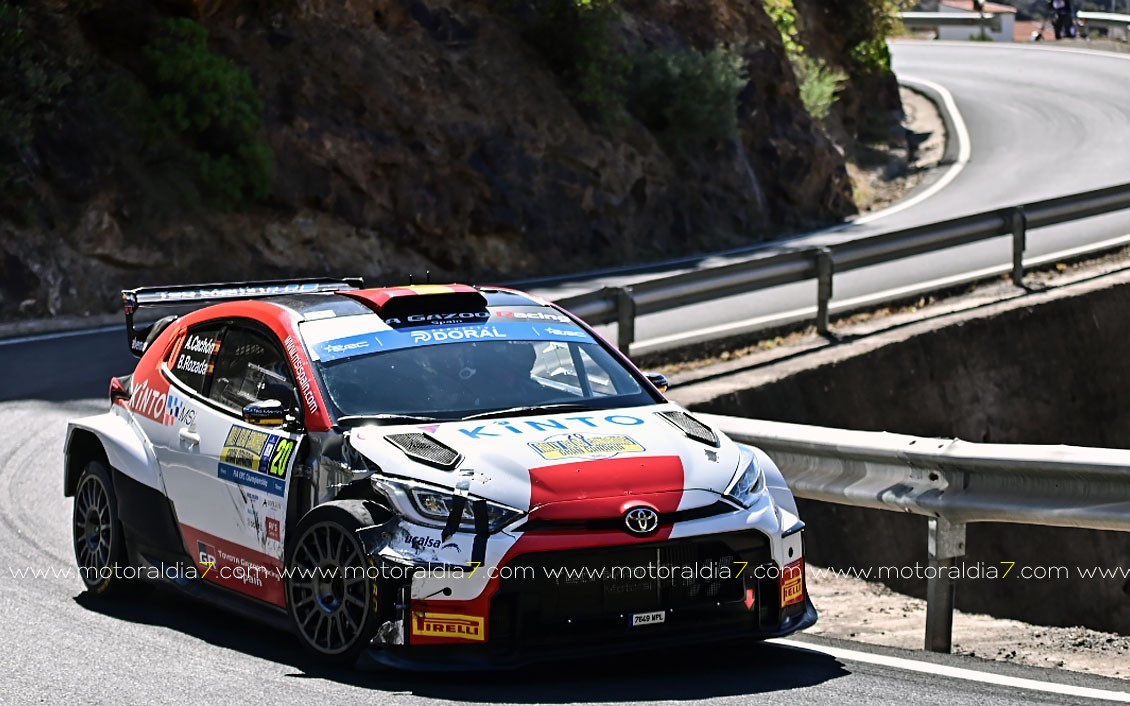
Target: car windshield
x=515 y=361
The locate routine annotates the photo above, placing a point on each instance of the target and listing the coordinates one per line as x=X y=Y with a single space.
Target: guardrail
x=930 y=20
x=621 y=305
x=1108 y=20
x=952 y=482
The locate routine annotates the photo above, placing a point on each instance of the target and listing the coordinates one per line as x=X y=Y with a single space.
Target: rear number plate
x=648 y=618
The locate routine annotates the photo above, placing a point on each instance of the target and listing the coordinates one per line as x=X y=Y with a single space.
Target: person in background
x=1063 y=18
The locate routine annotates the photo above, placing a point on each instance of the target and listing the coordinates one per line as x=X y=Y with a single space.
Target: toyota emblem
x=641 y=520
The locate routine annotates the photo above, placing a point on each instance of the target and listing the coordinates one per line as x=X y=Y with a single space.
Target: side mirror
x=659 y=380
x=266 y=413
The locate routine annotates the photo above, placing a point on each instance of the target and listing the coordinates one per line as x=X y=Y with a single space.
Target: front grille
x=612 y=524
x=423 y=448
x=577 y=593
x=690 y=426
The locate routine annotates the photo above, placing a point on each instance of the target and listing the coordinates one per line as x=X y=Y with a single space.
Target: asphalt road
x=62 y=646
x=1040 y=123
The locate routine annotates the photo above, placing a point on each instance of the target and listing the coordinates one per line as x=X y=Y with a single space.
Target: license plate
x=653 y=618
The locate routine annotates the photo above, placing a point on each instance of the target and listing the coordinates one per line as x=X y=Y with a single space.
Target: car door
x=229 y=479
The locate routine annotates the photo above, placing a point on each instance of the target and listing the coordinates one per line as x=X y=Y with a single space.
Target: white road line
x=964 y=152
x=61 y=334
x=911 y=665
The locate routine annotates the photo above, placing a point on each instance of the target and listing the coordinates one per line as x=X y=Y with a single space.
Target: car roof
x=359 y=301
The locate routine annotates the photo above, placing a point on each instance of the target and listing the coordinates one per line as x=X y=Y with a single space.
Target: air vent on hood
x=693 y=428
x=423 y=448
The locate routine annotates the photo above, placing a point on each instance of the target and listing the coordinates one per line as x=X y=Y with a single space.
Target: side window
x=249 y=367
x=193 y=361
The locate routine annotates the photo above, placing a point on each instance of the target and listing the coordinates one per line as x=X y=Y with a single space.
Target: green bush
x=578 y=40
x=680 y=95
x=818 y=84
x=687 y=95
x=206 y=105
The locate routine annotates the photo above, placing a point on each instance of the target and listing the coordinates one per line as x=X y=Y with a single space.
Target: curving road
x=1033 y=123
x=65 y=647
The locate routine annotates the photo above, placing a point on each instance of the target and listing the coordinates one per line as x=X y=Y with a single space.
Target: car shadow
x=679 y=674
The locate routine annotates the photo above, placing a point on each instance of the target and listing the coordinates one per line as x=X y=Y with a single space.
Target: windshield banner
x=494 y=330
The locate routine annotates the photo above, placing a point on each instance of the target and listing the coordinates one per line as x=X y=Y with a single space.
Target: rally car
x=424 y=475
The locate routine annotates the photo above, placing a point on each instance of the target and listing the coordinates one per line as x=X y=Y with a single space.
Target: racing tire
x=332 y=598
x=99 y=541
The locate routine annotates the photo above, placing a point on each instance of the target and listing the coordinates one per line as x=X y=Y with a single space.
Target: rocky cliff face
x=407 y=135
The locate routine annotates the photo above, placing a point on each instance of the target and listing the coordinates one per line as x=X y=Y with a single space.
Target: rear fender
x=115 y=440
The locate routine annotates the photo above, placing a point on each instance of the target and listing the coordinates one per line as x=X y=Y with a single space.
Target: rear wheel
x=99 y=542
x=332 y=594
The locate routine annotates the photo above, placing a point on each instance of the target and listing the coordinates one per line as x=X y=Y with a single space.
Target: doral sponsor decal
x=449 y=625
x=578 y=445
x=150 y=399
x=461 y=317
x=505 y=427
x=792 y=583
x=302 y=373
x=256 y=459
x=465 y=333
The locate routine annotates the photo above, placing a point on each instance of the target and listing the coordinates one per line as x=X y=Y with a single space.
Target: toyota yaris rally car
x=425 y=475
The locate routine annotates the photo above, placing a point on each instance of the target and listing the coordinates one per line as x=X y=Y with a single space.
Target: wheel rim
x=328 y=588
x=93 y=528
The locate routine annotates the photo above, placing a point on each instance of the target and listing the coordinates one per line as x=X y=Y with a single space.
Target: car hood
x=566 y=466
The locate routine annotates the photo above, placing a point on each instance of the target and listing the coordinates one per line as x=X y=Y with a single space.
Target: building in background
x=1006 y=13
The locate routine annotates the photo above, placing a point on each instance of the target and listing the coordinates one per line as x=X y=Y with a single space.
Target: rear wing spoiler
x=203 y=294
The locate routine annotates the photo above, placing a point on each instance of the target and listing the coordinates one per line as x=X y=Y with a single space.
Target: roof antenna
x=429 y=280
x=409 y=279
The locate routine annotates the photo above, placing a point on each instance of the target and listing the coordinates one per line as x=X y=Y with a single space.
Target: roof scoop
x=690 y=426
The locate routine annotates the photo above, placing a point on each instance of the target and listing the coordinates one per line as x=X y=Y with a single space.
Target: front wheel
x=332 y=598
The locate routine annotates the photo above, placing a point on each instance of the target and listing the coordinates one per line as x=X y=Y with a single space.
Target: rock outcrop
x=407 y=136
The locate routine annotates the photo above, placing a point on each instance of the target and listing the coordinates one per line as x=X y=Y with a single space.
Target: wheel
x=100 y=548
x=332 y=595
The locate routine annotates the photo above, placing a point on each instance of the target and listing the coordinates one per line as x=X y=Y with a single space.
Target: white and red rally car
x=425 y=475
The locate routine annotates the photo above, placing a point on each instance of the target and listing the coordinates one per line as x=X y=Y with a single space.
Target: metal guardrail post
x=946 y=542
x=625 y=319
x=1019 y=236
x=825 y=268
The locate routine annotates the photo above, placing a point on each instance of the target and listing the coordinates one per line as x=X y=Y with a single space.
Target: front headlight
x=437 y=505
x=749 y=482
x=431 y=506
